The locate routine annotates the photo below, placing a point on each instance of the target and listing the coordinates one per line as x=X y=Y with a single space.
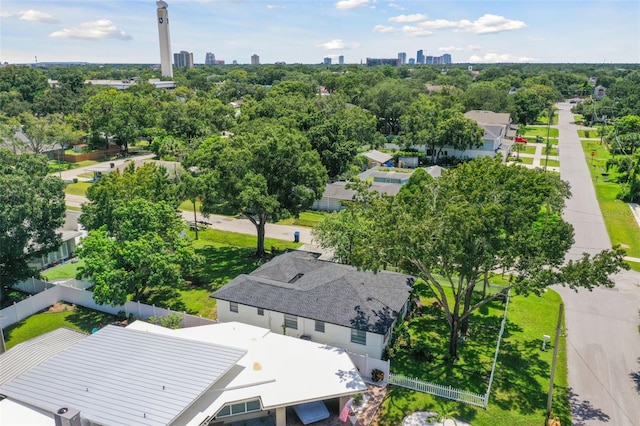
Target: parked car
x=520 y=139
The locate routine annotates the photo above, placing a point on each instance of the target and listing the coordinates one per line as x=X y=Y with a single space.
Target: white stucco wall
x=334 y=335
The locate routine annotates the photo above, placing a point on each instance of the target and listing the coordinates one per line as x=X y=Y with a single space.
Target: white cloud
x=31 y=15
x=384 y=29
x=493 y=57
x=439 y=24
x=96 y=30
x=350 y=4
x=470 y=47
x=337 y=44
x=274 y=6
x=488 y=24
x=413 y=31
x=416 y=17
x=396 y=6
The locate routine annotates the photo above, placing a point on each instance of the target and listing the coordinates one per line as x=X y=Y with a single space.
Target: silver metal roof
x=27 y=355
x=120 y=376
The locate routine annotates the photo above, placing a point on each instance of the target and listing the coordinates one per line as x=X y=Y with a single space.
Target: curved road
x=603 y=343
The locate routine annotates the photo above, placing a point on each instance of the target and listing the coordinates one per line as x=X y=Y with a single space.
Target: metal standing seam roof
x=377 y=156
x=119 y=376
x=324 y=291
x=33 y=352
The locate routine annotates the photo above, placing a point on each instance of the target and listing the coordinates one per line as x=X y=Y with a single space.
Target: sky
x=306 y=31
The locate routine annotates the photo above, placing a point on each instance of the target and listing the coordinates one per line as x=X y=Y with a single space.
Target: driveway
x=603 y=343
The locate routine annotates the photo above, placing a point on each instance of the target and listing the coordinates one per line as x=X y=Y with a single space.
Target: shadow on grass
x=221 y=265
x=88 y=319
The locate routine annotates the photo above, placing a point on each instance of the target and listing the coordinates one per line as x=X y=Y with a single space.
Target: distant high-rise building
x=234 y=62
x=403 y=57
x=429 y=60
x=163 y=37
x=420 y=57
x=341 y=60
x=183 y=59
x=326 y=61
x=412 y=61
x=372 y=62
x=255 y=59
x=210 y=59
x=446 y=58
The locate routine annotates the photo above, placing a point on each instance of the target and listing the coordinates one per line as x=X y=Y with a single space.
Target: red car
x=520 y=139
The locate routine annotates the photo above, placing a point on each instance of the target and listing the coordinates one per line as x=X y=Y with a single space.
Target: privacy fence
x=71 y=291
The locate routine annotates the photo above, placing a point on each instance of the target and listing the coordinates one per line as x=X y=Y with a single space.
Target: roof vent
x=67 y=417
x=296 y=278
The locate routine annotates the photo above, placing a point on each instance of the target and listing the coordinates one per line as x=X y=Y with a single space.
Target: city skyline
x=604 y=31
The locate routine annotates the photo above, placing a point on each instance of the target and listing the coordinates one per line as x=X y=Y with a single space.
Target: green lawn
x=530 y=149
x=534 y=131
x=67 y=270
x=226 y=255
x=188 y=206
x=77 y=318
x=78 y=188
x=307 y=219
x=577 y=118
x=620 y=223
x=589 y=134
x=550 y=163
x=57 y=166
x=519 y=392
x=521 y=160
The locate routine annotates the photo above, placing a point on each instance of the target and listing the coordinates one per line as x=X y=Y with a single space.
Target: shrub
x=377 y=375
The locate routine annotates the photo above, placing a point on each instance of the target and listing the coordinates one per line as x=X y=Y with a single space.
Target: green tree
x=120 y=115
x=27 y=81
x=481 y=217
x=149 y=182
x=529 y=103
x=144 y=258
x=460 y=133
x=31 y=209
x=267 y=173
x=485 y=96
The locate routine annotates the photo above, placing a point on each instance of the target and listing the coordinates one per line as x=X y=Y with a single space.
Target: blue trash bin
x=296 y=237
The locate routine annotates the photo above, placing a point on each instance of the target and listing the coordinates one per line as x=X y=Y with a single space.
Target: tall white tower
x=165 y=42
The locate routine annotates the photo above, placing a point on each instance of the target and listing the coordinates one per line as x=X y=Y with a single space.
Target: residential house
x=599 y=92
x=384 y=180
x=149 y=375
x=377 y=158
x=299 y=295
x=70 y=234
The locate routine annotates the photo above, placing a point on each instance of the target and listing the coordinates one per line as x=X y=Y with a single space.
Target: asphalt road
x=603 y=343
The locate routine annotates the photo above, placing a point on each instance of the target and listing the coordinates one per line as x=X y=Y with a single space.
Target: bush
x=75 y=180
x=377 y=375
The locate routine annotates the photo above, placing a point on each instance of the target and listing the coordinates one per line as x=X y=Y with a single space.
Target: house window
x=239 y=408
x=261 y=312
x=358 y=336
x=320 y=326
x=291 y=321
x=233 y=307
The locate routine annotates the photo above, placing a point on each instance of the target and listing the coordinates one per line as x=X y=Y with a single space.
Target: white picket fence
x=50 y=294
x=439 y=390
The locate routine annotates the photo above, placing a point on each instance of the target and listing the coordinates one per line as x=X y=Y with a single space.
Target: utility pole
x=553 y=362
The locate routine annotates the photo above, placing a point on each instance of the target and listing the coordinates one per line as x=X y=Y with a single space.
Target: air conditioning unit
x=67 y=417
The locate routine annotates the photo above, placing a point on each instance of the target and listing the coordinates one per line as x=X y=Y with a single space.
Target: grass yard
x=56 y=166
x=529 y=149
x=589 y=134
x=521 y=160
x=307 y=219
x=550 y=163
x=620 y=223
x=519 y=392
x=60 y=315
x=188 y=206
x=226 y=255
x=534 y=131
x=78 y=188
x=577 y=118
x=74 y=208
x=66 y=270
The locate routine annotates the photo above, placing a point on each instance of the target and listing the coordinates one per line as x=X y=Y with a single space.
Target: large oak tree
x=481 y=217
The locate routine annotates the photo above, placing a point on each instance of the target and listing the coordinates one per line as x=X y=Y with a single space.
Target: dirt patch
x=60 y=307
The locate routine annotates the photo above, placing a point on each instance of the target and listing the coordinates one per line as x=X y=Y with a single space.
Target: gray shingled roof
x=297 y=283
x=27 y=355
x=120 y=376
